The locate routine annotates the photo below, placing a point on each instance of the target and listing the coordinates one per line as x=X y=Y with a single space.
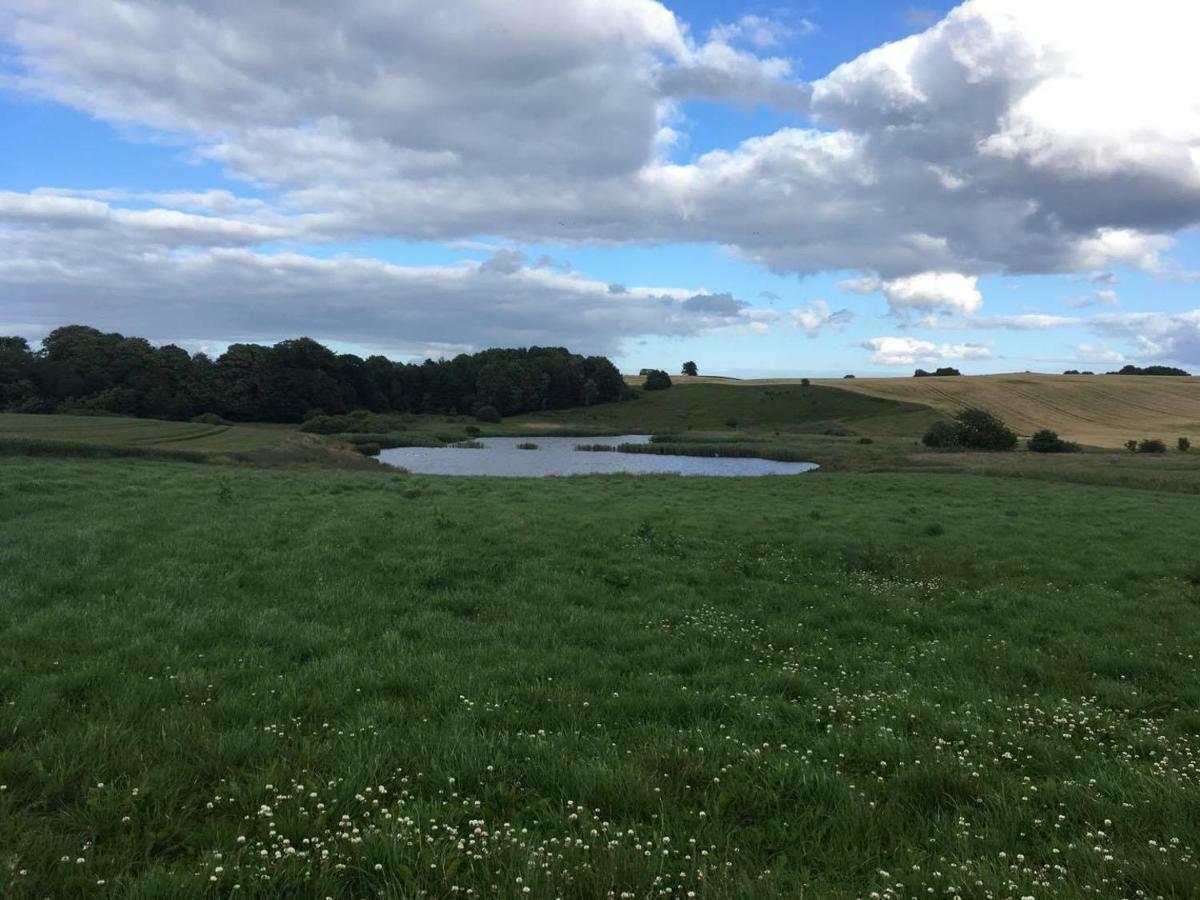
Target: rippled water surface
x=558 y=456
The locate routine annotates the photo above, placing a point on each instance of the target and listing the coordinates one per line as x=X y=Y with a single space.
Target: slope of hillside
x=758 y=407
x=1098 y=410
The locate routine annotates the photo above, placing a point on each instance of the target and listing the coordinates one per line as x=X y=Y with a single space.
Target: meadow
x=103 y=437
x=230 y=681
x=765 y=409
x=1098 y=410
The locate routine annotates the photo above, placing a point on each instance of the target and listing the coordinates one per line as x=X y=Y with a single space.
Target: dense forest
x=82 y=370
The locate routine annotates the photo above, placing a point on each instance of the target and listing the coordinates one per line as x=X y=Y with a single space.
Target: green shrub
x=328 y=425
x=733 y=451
x=941 y=436
x=368 y=449
x=527 y=445
x=972 y=429
x=1047 y=441
x=487 y=414
x=358 y=422
x=1131 y=446
x=978 y=429
x=472 y=430
x=656 y=380
x=1152 y=445
x=1183 y=445
x=596 y=448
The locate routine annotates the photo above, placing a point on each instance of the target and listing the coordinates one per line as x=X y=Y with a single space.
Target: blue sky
x=692 y=181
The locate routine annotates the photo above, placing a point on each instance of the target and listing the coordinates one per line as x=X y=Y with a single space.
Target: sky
x=864 y=187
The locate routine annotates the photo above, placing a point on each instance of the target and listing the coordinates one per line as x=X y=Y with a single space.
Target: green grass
x=785 y=408
x=743 y=450
x=314 y=683
x=114 y=431
x=105 y=437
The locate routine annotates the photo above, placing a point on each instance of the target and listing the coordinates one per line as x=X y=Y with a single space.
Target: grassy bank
x=107 y=437
x=785 y=408
x=320 y=683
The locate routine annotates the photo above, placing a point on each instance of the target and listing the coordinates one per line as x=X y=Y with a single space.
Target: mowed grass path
x=116 y=431
x=1098 y=410
x=231 y=682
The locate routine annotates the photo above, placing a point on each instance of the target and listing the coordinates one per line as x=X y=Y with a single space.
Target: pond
x=558 y=456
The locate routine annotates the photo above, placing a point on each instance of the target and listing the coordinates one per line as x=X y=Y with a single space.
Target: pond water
x=558 y=456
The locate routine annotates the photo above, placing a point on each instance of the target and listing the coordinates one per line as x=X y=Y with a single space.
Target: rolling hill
x=1098 y=410
x=746 y=406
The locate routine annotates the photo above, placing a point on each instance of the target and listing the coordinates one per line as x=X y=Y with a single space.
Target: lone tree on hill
x=689 y=369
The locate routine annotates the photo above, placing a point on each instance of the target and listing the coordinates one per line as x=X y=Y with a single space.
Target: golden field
x=1097 y=410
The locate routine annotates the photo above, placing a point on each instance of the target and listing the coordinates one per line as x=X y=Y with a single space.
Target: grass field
x=119 y=431
x=99 y=436
x=239 y=682
x=756 y=408
x=1099 y=410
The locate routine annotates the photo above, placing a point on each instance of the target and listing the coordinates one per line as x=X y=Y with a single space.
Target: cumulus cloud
x=906 y=351
x=505 y=262
x=1000 y=139
x=1165 y=337
x=161 y=226
x=100 y=266
x=715 y=304
x=928 y=292
x=818 y=316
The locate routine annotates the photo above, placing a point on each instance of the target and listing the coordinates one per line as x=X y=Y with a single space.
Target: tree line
x=82 y=370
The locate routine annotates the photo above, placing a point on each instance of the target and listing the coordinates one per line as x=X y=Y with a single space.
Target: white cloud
x=923 y=292
x=1018 y=322
x=906 y=351
x=160 y=226
x=1024 y=322
x=818 y=316
x=1157 y=336
x=69 y=260
x=1102 y=297
x=761 y=32
x=1096 y=354
x=1000 y=139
